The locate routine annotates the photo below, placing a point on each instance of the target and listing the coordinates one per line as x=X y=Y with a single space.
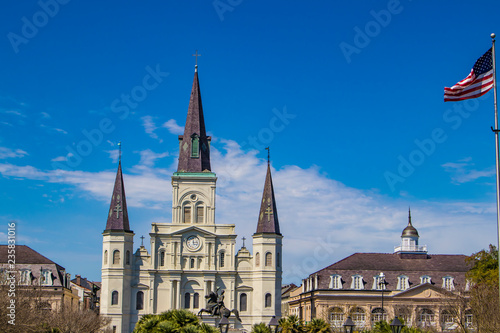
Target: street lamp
x=224 y=322
x=396 y=325
x=349 y=325
x=274 y=323
x=382 y=285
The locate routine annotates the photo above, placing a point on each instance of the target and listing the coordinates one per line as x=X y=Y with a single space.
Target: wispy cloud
x=61 y=158
x=173 y=127
x=45 y=115
x=15 y=113
x=463 y=172
x=53 y=129
x=150 y=127
x=148 y=157
x=10 y=153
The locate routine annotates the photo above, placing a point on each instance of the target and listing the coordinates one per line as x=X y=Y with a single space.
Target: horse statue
x=216 y=307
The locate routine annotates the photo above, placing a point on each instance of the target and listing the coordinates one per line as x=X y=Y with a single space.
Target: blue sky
x=349 y=96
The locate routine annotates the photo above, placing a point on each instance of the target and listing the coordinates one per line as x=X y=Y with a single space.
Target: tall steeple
x=268 y=217
x=194 y=145
x=118 y=215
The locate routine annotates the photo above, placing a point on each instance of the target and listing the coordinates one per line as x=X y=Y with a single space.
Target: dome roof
x=410 y=230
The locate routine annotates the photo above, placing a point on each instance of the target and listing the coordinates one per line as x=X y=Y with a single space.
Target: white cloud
x=321 y=219
x=114 y=154
x=61 y=158
x=173 y=127
x=15 y=113
x=462 y=172
x=150 y=127
x=45 y=115
x=9 y=153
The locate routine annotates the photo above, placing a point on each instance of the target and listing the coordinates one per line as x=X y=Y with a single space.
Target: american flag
x=477 y=83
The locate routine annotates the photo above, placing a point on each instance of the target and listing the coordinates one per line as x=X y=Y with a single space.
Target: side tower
x=267 y=249
x=409 y=240
x=193 y=185
x=117 y=246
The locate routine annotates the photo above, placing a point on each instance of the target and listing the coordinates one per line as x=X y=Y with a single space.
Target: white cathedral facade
x=193 y=255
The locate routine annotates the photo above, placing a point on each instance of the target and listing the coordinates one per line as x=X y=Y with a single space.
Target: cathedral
x=193 y=255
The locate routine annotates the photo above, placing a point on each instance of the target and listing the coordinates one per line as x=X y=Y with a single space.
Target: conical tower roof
x=410 y=230
x=194 y=148
x=118 y=215
x=268 y=216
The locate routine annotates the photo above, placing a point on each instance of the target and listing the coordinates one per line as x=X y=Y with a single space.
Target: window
x=447 y=319
x=426 y=317
x=196 y=301
x=139 y=301
x=268 y=300
x=106 y=257
x=357 y=282
x=114 y=298
x=195 y=146
x=243 y=302
x=162 y=258
x=192 y=263
x=469 y=319
x=448 y=283
x=187 y=214
x=116 y=257
x=336 y=317
x=269 y=259
x=377 y=315
x=222 y=259
x=187 y=301
x=257 y=259
x=127 y=258
x=358 y=317
x=278 y=259
x=425 y=279
x=200 y=213
x=25 y=277
x=379 y=282
x=403 y=282
x=336 y=281
x=46 y=276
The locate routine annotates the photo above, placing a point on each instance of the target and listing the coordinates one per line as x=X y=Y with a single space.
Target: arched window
x=127 y=258
x=105 y=257
x=243 y=302
x=187 y=214
x=114 y=298
x=257 y=259
x=268 y=300
x=269 y=259
x=116 y=257
x=187 y=301
x=378 y=314
x=139 y=301
x=200 y=214
x=447 y=319
x=358 y=317
x=162 y=258
x=196 y=301
x=192 y=263
x=426 y=317
x=336 y=317
x=222 y=254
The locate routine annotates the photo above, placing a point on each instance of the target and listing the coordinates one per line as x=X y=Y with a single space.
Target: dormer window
x=448 y=283
x=195 y=146
x=403 y=282
x=336 y=281
x=357 y=282
x=425 y=279
x=46 y=276
x=25 y=277
x=379 y=282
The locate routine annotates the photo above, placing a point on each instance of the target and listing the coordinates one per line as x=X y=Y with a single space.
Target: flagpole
x=496 y=146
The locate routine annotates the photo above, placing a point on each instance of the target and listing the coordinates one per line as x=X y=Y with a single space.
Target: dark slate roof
x=195 y=125
x=369 y=265
x=268 y=216
x=25 y=255
x=118 y=215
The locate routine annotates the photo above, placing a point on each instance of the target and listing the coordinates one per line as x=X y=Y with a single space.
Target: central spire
x=118 y=215
x=268 y=216
x=194 y=145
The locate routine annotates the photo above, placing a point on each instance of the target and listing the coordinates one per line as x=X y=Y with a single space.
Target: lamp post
x=349 y=325
x=273 y=323
x=396 y=325
x=382 y=285
x=224 y=322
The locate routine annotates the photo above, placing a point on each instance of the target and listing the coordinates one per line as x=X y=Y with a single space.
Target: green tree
x=291 y=324
x=260 y=328
x=172 y=321
x=381 y=327
x=484 y=266
x=318 y=325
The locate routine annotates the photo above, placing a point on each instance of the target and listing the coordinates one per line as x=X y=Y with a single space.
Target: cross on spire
x=142 y=240
x=268 y=155
x=196 y=61
x=269 y=211
x=120 y=151
x=243 y=241
x=118 y=209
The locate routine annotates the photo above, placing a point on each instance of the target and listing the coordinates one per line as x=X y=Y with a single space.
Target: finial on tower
x=120 y=152
x=409 y=215
x=243 y=241
x=142 y=241
x=196 y=61
x=268 y=155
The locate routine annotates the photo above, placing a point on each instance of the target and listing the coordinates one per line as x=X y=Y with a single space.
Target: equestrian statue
x=216 y=307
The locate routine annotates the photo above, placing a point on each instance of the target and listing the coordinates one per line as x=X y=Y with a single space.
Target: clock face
x=193 y=242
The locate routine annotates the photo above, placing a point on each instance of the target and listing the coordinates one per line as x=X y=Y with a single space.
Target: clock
x=193 y=243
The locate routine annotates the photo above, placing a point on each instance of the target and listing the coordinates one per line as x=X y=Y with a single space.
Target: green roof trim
x=195 y=174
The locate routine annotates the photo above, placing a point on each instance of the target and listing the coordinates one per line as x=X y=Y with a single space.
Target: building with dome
x=410 y=283
x=191 y=256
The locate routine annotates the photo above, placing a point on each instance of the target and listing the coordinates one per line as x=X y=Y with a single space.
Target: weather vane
x=268 y=155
